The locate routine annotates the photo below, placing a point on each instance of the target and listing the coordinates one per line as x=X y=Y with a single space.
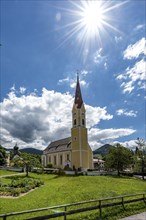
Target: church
x=74 y=151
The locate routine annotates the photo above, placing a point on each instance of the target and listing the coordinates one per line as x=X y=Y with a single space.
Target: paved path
x=17 y=174
x=141 y=216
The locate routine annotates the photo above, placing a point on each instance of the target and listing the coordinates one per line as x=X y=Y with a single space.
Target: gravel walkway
x=141 y=216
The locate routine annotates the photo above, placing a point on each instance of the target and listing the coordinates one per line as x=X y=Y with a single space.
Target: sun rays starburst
x=89 y=21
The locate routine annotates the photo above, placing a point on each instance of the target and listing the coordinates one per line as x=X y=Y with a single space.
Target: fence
x=101 y=204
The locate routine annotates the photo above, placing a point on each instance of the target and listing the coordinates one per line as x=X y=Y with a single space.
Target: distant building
x=73 y=151
x=7 y=158
x=98 y=163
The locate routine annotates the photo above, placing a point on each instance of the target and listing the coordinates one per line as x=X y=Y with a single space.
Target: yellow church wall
x=76 y=159
x=58 y=160
x=82 y=159
x=85 y=159
x=84 y=141
x=75 y=139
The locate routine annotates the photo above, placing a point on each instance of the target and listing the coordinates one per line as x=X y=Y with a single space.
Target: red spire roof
x=78 y=96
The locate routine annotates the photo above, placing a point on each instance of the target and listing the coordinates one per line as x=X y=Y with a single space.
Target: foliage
x=140 y=157
x=25 y=160
x=67 y=168
x=98 y=156
x=49 y=165
x=19 y=185
x=2 y=156
x=119 y=158
x=16 y=150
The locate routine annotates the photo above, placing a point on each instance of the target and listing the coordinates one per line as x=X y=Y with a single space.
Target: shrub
x=15 y=191
x=21 y=185
x=49 y=165
x=61 y=172
x=67 y=168
x=14 y=183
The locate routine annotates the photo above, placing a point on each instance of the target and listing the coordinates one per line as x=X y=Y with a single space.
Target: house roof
x=59 y=145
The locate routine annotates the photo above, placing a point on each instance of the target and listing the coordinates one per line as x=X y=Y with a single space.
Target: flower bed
x=18 y=186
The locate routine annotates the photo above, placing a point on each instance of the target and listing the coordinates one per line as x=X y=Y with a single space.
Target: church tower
x=81 y=152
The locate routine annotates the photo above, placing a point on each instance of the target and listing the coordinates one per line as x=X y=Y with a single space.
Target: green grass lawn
x=6 y=172
x=67 y=189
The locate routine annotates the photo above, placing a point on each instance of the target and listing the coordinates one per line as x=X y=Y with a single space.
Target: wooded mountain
x=102 y=150
x=28 y=150
x=31 y=151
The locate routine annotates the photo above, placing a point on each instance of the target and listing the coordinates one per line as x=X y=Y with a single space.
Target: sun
x=92 y=17
x=89 y=20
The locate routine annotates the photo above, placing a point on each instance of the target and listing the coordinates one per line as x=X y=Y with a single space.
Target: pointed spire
x=78 y=96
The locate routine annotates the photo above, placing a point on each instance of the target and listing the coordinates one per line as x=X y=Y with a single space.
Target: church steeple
x=78 y=96
x=78 y=111
x=81 y=151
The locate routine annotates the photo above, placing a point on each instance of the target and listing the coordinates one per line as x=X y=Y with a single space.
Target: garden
x=58 y=190
x=18 y=185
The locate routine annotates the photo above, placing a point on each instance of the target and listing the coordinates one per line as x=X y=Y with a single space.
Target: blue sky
x=44 y=43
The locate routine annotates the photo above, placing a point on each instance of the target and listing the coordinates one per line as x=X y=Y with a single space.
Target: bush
x=15 y=191
x=67 y=168
x=127 y=174
x=21 y=185
x=49 y=165
x=61 y=172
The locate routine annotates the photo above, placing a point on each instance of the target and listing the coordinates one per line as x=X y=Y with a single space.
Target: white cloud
x=61 y=81
x=118 y=39
x=139 y=27
x=133 y=51
x=133 y=77
x=13 y=88
x=127 y=87
x=130 y=113
x=22 y=90
x=98 y=56
x=95 y=114
x=72 y=82
x=83 y=83
x=96 y=136
x=34 y=121
x=128 y=144
x=84 y=72
x=105 y=66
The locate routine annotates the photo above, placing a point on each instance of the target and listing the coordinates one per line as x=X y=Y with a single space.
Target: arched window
x=83 y=122
x=75 y=122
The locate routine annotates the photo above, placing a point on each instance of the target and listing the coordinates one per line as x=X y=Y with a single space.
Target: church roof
x=59 y=145
x=78 y=96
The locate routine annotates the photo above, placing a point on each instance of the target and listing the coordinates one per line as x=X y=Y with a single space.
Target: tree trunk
x=27 y=169
x=118 y=168
x=142 y=168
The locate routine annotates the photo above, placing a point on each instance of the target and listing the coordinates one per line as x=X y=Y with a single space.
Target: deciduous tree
x=141 y=154
x=2 y=156
x=119 y=158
